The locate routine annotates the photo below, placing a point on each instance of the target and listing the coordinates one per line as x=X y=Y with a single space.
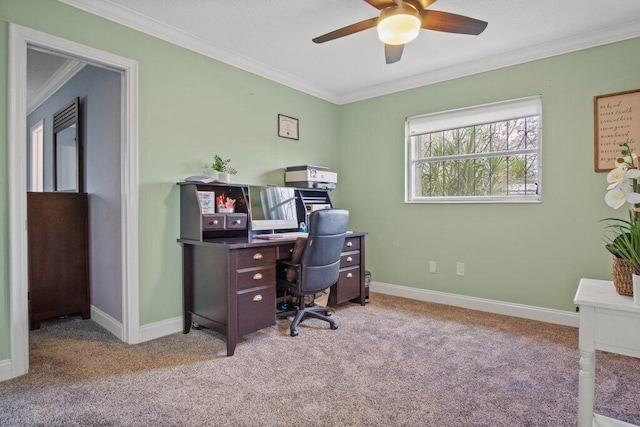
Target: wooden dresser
x=58 y=241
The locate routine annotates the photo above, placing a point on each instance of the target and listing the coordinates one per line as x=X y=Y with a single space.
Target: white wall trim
x=107 y=322
x=65 y=73
x=17 y=176
x=6 y=370
x=160 y=329
x=132 y=19
x=534 y=53
x=137 y=21
x=19 y=38
x=491 y=306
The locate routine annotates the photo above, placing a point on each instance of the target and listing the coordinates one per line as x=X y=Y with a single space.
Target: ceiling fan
x=400 y=22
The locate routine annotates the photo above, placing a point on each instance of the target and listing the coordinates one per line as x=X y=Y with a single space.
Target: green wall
x=530 y=254
x=192 y=107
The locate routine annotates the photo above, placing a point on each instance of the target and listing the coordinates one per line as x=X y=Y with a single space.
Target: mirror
x=66 y=160
x=67 y=149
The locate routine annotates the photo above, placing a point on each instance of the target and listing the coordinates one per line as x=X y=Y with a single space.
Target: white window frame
x=466 y=117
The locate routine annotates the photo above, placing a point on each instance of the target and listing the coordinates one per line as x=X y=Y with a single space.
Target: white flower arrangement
x=623 y=180
x=623 y=240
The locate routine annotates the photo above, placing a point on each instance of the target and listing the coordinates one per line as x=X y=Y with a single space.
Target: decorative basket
x=622 y=280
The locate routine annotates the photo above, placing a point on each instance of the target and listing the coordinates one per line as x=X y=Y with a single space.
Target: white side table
x=609 y=322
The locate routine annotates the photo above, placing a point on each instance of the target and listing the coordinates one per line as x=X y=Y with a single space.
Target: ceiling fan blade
x=393 y=53
x=452 y=23
x=345 y=31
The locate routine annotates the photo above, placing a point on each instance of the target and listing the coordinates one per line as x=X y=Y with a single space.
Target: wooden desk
x=229 y=284
x=609 y=322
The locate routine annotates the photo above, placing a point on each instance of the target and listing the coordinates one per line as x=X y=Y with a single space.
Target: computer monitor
x=273 y=208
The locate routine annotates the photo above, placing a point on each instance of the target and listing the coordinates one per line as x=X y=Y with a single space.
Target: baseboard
x=147 y=332
x=107 y=322
x=160 y=329
x=492 y=306
x=6 y=370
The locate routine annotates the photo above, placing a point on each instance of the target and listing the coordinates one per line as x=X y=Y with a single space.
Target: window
x=486 y=153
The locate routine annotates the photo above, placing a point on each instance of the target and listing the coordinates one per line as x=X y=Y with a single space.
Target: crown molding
x=520 y=56
x=65 y=73
x=116 y=13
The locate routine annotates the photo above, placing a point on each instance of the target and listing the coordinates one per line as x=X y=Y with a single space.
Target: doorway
x=20 y=38
x=77 y=104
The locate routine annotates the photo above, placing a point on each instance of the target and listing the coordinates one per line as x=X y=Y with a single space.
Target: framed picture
x=287 y=127
x=616 y=121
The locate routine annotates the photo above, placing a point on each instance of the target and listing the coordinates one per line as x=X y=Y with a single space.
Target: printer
x=307 y=176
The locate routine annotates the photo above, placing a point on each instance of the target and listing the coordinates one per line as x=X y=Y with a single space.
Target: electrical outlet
x=433 y=267
x=460 y=269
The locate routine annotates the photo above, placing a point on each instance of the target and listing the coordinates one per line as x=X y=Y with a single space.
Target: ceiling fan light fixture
x=399 y=25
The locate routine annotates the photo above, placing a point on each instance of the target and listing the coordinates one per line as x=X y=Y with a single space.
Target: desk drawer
x=256 y=309
x=348 y=259
x=348 y=286
x=212 y=222
x=236 y=221
x=254 y=257
x=351 y=244
x=256 y=277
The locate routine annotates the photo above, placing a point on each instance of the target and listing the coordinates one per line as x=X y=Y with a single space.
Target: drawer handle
x=349 y=244
x=349 y=275
x=214 y=222
x=237 y=222
x=257 y=276
x=349 y=259
x=257 y=255
x=257 y=298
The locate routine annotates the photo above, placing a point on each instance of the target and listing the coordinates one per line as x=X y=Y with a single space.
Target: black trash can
x=367 y=283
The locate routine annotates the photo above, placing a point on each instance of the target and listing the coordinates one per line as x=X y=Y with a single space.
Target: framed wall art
x=616 y=119
x=288 y=127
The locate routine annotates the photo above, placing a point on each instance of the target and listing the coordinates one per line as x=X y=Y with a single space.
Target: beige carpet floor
x=393 y=362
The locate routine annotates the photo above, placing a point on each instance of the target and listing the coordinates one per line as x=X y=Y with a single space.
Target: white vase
x=636 y=289
x=223 y=177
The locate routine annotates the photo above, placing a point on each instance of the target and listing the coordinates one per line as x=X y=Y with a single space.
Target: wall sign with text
x=616 y=121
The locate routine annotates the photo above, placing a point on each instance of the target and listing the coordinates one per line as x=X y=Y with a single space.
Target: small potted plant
x=225 y=204
x=223 y=168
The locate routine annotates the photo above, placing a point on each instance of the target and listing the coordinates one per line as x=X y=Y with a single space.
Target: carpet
x=393 y=362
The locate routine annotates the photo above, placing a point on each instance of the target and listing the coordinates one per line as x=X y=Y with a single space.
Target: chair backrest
x=320 y=261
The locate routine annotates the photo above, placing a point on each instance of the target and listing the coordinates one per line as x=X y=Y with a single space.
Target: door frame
x=19 y=38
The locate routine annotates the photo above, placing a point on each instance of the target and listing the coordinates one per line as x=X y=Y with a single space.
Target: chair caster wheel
x=333 y=326
x=294 y=332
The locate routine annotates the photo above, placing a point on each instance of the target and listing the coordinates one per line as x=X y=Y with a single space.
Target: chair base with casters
x=315 y=264
x=303 y=311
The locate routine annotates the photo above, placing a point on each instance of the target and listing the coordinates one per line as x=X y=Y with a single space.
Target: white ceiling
x=46 y=73
x=40 y=66
x=273 y=38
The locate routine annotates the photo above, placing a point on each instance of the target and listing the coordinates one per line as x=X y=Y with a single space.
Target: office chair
x=319 y=264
